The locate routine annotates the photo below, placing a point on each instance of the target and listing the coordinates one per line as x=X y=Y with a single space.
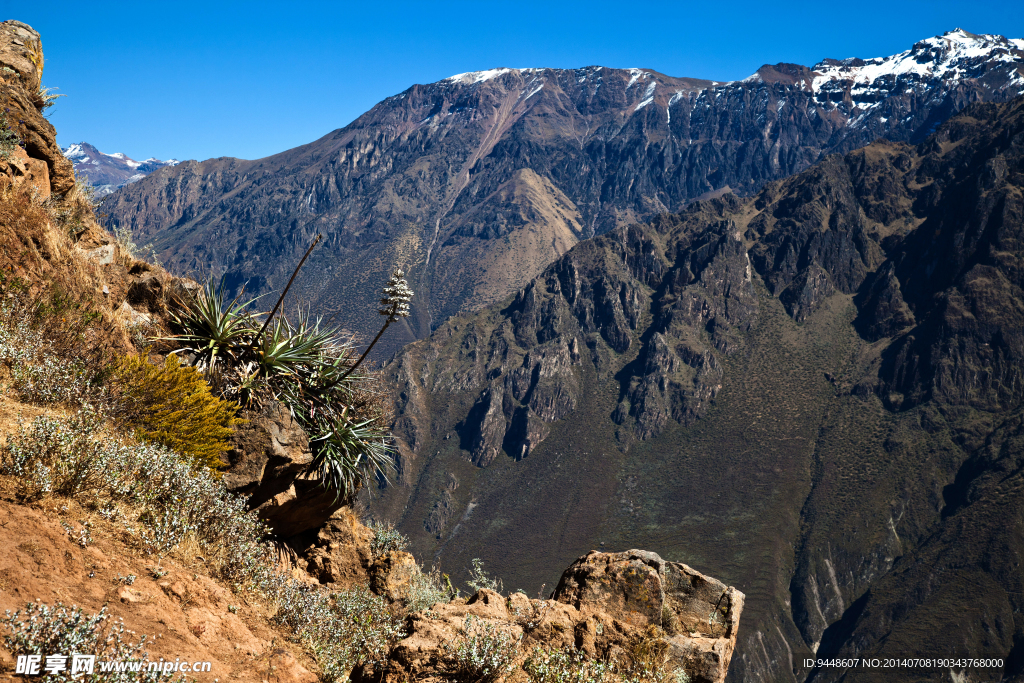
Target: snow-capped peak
x=107 y=172
x=471 y=77
x=948 y=55
x=75 y=151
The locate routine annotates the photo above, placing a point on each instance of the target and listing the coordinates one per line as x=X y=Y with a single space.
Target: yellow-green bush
x=172 y=405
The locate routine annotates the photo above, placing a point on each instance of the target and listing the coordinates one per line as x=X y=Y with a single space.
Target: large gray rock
x=699 y=614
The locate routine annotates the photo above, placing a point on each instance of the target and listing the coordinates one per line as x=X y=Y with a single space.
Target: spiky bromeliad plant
x=309 y=366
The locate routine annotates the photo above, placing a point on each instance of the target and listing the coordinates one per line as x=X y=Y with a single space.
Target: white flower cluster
x=397 y=295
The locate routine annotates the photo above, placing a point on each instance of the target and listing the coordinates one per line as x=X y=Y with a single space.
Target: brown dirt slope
x=189 y=615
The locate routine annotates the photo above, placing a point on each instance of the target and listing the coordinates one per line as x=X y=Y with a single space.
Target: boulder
x=391 y=575
x=626 y=586
x=700 y=615
x=271 y=447
x=267 y=460
x=338 y=552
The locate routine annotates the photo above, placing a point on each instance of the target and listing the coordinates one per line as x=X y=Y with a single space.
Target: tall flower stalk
x=394 y=304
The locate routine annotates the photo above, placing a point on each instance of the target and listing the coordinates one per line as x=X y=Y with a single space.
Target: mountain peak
x=471 y=77
x=107 y=172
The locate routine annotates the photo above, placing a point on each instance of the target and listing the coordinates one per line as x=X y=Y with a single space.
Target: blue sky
x=195 y=80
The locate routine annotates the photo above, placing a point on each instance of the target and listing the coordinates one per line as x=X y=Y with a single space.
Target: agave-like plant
x=211 y=329
x=308 y=365
x=299 y=351
x=348 y=453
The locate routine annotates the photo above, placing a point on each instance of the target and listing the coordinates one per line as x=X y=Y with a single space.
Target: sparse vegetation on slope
x=167 y=500
x=44 y=631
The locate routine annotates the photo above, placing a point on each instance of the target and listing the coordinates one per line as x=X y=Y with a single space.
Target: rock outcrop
x=336 y=552
x=605 y=604
x=21 y=72
x=54 y=226
x=267 y=462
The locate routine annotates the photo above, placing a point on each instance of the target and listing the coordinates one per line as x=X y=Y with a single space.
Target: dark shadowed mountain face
x=107 y=172
x=476 y=183
x=815 y=393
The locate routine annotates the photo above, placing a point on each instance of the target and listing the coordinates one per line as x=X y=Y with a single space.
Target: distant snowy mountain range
x=107 y=172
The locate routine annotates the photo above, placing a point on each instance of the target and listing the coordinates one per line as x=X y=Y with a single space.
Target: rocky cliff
x=816 y=391
x=474 y=184
x=33 y=138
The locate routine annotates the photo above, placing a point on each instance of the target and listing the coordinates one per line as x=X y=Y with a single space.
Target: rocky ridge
x=603 y=606
x=814 y=389
x=475 y=183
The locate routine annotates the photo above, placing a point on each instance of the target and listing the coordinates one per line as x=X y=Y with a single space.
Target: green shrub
x=342 y=629
x=53 y=343
x=41 y=369
x=71 y=457
x=555 y=666
x=172 y=405
x=478 y=578
x=485 y=653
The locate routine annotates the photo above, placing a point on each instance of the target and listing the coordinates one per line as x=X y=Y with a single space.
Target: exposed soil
x=173 y=601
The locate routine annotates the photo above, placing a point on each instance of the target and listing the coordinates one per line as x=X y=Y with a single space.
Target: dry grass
x=46 y=278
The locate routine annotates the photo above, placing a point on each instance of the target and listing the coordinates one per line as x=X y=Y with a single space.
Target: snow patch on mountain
x=107 y=172
x=472 y=77
x=951 y=55
x=634 y=76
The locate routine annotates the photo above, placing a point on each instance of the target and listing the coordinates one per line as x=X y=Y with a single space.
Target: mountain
x=475 y=183
x=816 y=391
x=108 y=172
